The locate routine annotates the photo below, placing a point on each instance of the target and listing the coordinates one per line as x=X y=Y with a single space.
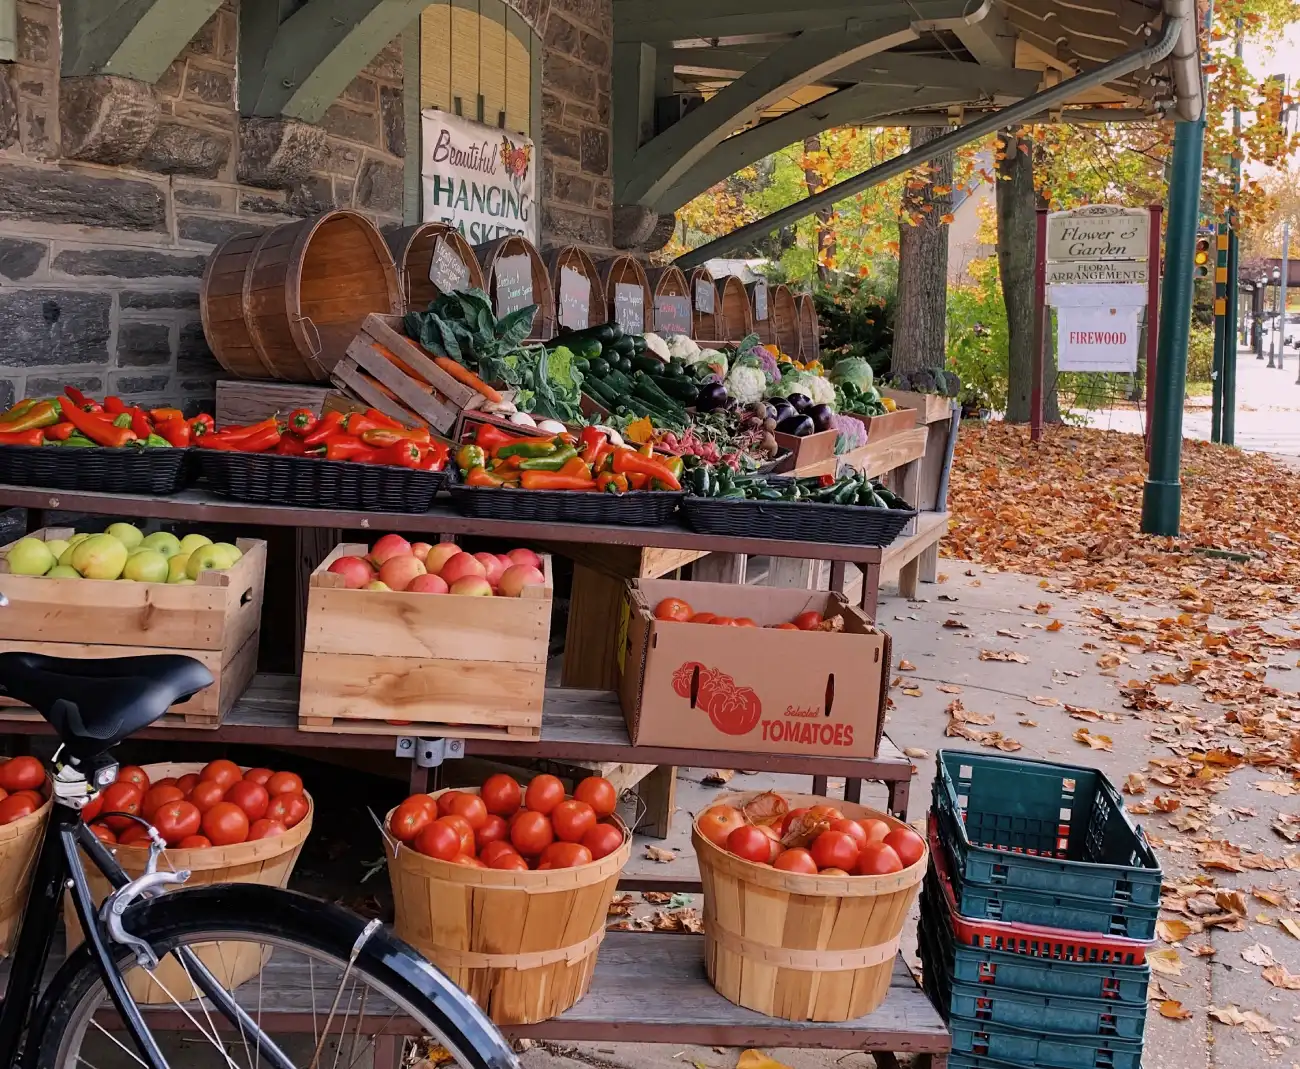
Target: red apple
x=390 y=545
x=474 y=585
x=356 y=571
x=398 y=571
x=525 y=556
x=517 y=577
x=460 y=566
x=427 y=584
x=420 y=550
x=439 y=555
x=492 y=567
x=375 y=584
x=506 y=562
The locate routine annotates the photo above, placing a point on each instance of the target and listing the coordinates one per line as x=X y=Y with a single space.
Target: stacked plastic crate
x=1036 y=915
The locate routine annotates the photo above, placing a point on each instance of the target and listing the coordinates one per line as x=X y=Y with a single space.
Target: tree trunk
x=920 y=323
x=1017 y=224
x=825 y=233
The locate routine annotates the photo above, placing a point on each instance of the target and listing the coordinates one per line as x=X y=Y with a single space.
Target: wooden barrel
x=810 y=344
x=515 y=277
x=521 y=944
x=432 y=259
x=734 y=315
x=673 y=313
x=628 y=300
x=783 y=318
x=221 y=306
x=760 y=309
x=268 y=862
x=579 y=294
x=704 y=305
x=20 y=842
x=769 y=934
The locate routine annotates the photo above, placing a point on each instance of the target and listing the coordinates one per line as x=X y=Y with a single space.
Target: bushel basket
x=305 y=482
x=637 y=508
x=139 y=470
x=20 y=842
x=796 y=521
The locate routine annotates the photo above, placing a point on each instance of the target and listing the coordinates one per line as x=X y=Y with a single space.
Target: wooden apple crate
x=379 y=662
x=930 y=407
x=215 y=621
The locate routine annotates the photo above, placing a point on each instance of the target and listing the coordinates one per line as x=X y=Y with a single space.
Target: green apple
x=100 y=556
x=231 y=550
x=30 y=556
x=184 y=582
x=56 y=546
x=146 y=566
x=78 y=538
x=176 y=567
x=164 y=542
x=126 y=533
x=205 y=559
x=191 y=542
x=63 y=571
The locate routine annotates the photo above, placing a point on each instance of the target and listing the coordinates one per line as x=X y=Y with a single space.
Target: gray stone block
x=127 y=384
x=8 y=110
x=278 y=153
x=351 y=125
x=210 y=86
x=381 y=187
x=193 y=357
x=595 y=151
x=150 y=300
x=561 y=226
x=144 y=345
x=128 y=263
x=54 y=327
x=392 y=108
x=106 y=119
x=52 y=386
x=80 y=200
x=8 y=393
x=19 y=259
x=197 y=198
x=177 y=148
x=213 y=230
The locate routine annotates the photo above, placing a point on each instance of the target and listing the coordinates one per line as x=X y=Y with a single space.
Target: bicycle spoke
x=127 y=1050
x=210 y=1037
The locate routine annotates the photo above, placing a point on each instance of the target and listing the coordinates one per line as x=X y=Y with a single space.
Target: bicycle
x=374 y=984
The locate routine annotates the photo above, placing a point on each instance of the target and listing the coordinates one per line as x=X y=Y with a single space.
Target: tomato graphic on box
x=732 y=709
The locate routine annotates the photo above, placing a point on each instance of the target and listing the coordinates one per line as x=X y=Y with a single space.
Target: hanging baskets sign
x=479 y=179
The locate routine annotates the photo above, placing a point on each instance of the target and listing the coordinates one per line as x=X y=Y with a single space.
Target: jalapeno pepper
x=530 y=449
x=98 y=427
x=629 y=462
x=469 y=457
x=155 y=441
x=75 y=441
x=42 y=413
x=552 y=461
x=553 y=480
x=176 y=431
x=326 y=426
x=482 y=477
x=301 y=421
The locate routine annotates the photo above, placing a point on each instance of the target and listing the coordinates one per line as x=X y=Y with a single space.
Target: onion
x=614 y=437
x=550 y=426
x=522 y=419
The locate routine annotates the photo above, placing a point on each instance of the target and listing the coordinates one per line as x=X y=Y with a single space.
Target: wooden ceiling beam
x=990 y=39
x=130 y=38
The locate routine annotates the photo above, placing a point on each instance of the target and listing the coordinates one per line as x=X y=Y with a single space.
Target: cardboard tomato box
x=754 y=689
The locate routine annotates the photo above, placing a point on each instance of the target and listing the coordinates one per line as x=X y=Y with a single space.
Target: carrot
x=467 y=378
x=396 y=361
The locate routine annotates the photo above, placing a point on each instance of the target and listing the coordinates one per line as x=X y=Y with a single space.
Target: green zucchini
x=651 y=365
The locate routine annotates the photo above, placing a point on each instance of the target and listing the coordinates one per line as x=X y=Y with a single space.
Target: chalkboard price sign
x=575 y=299
x=629 y=307
x=672 y=315
x=760 y=300
x=514 y=275
x=704 y=296
x=447 y=271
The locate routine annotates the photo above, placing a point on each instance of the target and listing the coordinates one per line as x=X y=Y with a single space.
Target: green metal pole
x=1230 y=350
x=1162 y=495
x=1220 y=348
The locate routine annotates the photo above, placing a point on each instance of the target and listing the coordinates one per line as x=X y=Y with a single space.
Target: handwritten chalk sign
x=704 y=296
x=629 y=307
x=447 y=270
x=760 y=301
x=575 y=299
x=514 y=277
x=672 y=315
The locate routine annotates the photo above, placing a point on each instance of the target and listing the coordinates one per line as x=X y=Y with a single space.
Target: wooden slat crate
x=240 y=401
x=215 y=621
x=930 y=407
x=392 y=663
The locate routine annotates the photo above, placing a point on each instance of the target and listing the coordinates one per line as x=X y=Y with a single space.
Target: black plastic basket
x=636 y=508
x=127 y=470
x=305 y=482
x=796 y=521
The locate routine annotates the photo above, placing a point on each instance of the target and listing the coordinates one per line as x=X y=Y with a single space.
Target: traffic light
x=1201 y=258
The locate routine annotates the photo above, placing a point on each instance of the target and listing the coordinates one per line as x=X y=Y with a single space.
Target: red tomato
x=717 y=824
x=876 y=829
x=783 y=627
x=501 y=794
x=428 y=801
x=572 y=820
x=22 y=774
x=598 y=793
x=251 y=797
x=166 y=781
x=834 y=872
x=878 y=860
x=177 y=820
x=796 y=859
x=225 y=823
x=723 y=621
x=103 y=834
x=806 y=621
x=852 y=829
x=122 y=798
x=445 y=800
x=284 y=783
x=15 y=807
x=258 y=776
x=544 y=793
x=469 y=860
x=134 y=774
x=187 y=782
x=471 y=807
x=91 y=809
x=673 y=609
x=438 y=840
x=461 y=827
x=909 y=846
x=565 y=855
x=511 y=860
x=603 y=840
x=703 y=618
x=494 y=830
x=775 y=836
x=135 y=835
x=791 y=817
x=265 y=829
x=156 y=796
x=35 y=797
x=750 y=842
x=834 y=850
x=206 y=794
x=409 y=819
x=288 y=809
x=222 y=771
x=195 y=842
x=531 y=833
x=826 y=814
x=492 y=851
x=743 y=621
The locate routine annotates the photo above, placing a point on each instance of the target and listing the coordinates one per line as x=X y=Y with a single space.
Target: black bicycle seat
x=95 y=703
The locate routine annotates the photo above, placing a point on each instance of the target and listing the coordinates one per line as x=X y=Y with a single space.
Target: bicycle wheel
x=326 y=991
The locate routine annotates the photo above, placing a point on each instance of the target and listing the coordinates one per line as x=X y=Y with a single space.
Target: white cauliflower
x=655 y=344
x=683 y=348
x=823 y=391
x=745 y=385
x=716 y=360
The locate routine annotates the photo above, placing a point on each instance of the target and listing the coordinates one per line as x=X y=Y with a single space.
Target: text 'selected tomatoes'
x=852 y=829
x=225 y=823
x=750 y=842
x=876 y=829
x=909 y=846
x=250 y=797
x=877 y=859
x=195 y=842
x=469 y=806
x=284 y=783
x=177 y=820
x=531 y=833
x=806 y=621
x=718 y=822
x=134 y=774
x=509 y=860
x=603 y=840
x=598 y=793
x=438 y=840
x=544 y=793
x=796 y=859
x=501 y=794
x=15 y=807
x=565 y=855
x=258 y=776
x=834 y=850
x=187 y=782
x=103 y=834
x=21 y=774
x=206 y=794
x=572 y=820
x=492 y=851
x=409 y=819
x=673 y=609
x=288 y=809
x=222 y=771
x=265 y=829
x=158 y=795
x=122 y=798
x=461 y=827
x=494 y=830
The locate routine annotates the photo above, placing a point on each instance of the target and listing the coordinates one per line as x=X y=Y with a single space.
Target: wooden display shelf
x=930 y=407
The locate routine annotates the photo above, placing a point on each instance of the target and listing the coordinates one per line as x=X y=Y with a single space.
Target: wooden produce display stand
x=515 y=276
x=706 y=318
x=432 y=259
x=578 y=288
x=629 y=301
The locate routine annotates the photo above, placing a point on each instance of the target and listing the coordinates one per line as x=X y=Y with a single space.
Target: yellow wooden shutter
x=518 y=85
x=435 y=57
x=465 y=55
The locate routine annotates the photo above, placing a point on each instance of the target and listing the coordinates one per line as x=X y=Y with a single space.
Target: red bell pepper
x=140 y=423
x=590 y=441
x=343 y=446
x=201 y=425
x=292 y=446
x=326 y=426
x=356 y=423
x=301 y=421
x=492 y=438
x=114 y=405
x=35 y=436
x=399 y=454
x=98 y=427
x=176 y=431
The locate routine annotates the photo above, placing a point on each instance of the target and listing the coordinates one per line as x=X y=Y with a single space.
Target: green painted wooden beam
x=130 y=38
x=990 y=39
x=8 y=30
x=635 y=71
x=656 y=21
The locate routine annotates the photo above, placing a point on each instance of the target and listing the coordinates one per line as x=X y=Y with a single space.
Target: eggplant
x=798 y=425
x=823 y=416
x=800 y=401
x=712 y=397
x=781 y=409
